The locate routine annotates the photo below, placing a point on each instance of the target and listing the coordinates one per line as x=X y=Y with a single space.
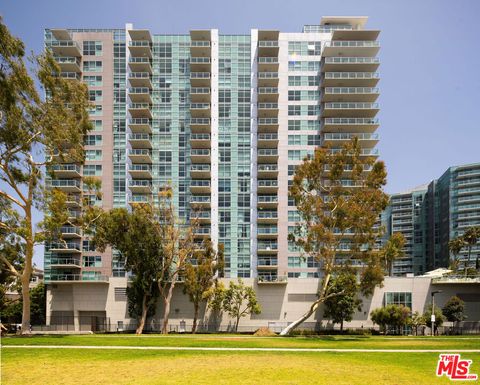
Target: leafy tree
x=199 y=275
x=29 y=128
x=393 y=250
x=215 y=296
x=178 y=247
x=341 y=308
x=239 y=301
x=416 y=321
x=137 y=236
x=454 y=310
x=439 y=318
x=395 y=316
x=339 y=197
x=12 y=312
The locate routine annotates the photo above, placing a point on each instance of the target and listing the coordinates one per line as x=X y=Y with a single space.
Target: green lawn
x=81 y=366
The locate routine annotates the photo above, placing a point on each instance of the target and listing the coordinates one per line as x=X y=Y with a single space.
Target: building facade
x=223 y=120
x=432 y=215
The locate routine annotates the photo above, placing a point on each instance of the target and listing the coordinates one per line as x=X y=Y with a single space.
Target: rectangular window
x=92 y=66
x=92 y=170
x=97 y=125
x=93 y=140
x=93 y=80
x=92 y=261
x=93 y=154
x=93 y=48
x=95 y=95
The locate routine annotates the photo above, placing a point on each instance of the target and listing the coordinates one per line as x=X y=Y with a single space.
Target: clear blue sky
x=430 y=87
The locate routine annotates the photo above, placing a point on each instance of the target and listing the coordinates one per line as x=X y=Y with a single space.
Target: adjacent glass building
x=432 y=215
x=222 y=119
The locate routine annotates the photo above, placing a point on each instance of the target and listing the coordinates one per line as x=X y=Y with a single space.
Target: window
x=92 y=261
x=294 y=95
x=93 y=154
x=294 y=216
x=95 y=95
x=97 y=124
x=92 y=66
x=92 y=170
x=399 y=298
x=93 y=80
x=294 y=110
x=93 y=48
x=93 y=140
x=87 y=245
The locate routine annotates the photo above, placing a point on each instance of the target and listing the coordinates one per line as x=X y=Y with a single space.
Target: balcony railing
x=352 y=60
x=76 y=278
x=351 y=90
x=352 y=43
x=267 y=199
x=267 y=183
x=266 y=168
x=351 y=121
x=268 y=43
x=457 y=279
x=272 y=278
x=348 y=136
x=351 y=75
x=267 y=215
x=59 y=183
x=268 y=60
x=271 y=230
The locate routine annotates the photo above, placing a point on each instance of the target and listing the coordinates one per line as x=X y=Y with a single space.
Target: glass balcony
x=140 y=140
x=268 y=63
x=200 y=110
x=352 y=124
x=345 y=109
x=200 y=125
x=140 y=125
x=66 y=170
x=267 y=185
x=267 y=216
x=367 y=138
x=70 y=232
x=65 y=247
x=69 y=63
x=67 y=185
x=267 y=171
x=200 y=94
x=58 y=263
x=199 y=79
x=140 y=95
x=140 y=64
x=267 y=155
x=202 y=232
x=199 y=186
x=65 y=48
x=267 y=231
x=265 y=247
x=140 y=156
x=200 y=48
x=140 y=48
x=140 y=110
x=202 y=216
x=267 y=140
x=200 y=155
x=140 y=186
x=200 y=171
x=142 y=171
x=70 y=75
x=267 y=201
x=140 y=79
x=271 y=278
x=139 y=199
x=351 y=48
x=76 y=278
x=200 y=201
x=269 y=263
x=268 y=79
x=354 y=94
x=369 y=64
x=266 y=125
x=200 y=140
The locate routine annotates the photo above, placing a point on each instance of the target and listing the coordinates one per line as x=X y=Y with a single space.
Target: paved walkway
x=219 y=349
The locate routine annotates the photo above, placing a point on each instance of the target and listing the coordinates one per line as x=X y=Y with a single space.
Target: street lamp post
x=433 y=310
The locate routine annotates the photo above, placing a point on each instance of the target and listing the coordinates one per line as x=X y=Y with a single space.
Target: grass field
x=101 y=366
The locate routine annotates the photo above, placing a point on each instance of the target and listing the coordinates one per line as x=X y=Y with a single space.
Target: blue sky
x=430 y=52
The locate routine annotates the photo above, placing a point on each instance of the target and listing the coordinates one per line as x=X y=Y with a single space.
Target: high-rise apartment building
x=222 y=119
x=432 y=215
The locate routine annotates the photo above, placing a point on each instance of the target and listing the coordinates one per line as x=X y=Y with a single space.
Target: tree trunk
x=195 y=316
x=143 y=317
x=341 y=325
x=467 y=262
x=166 y=300
x=236 y=323
x=25 y=279
x=310 y=311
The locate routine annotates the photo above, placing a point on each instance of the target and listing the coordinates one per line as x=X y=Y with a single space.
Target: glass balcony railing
x=139 y=90
x=199 y=43
x=267 y=106
x=65 y=261
x=267 y=183
x=199 y=121
x=267 y=199
x=70 y=230
x=267 y=121
x=199 y=183
x=138 y=106
x=58 y=183
x=199 y=60
x=140 y=183
x=266 y=136
x=68 y=60
x=271 y=278
x=140 y=121
x=270 y=230
x=347 y=136
x=199 y=152
x=351 y=75
x=139 y=199
x=351 y=106
x=65 y=246
x=202 y=230
x=64 y=44
x=352 y=60
x=70 y=75
x=268 y=90
x=352 y=43
x=351 y=121
x=139 y=60
x=268 y=60
x=199 y=90
x=267 y=262
x=351 y=90
x=141 y=167
x=200 y=137
x=267 y=152
x=268 y=43
x=139 y=43
x=268 y=75
x=140 y=137
x=267 y=167
x=199 y=75
x=267 y=215
x=200 y=167
x=66 y=167
x=76 y=277
x=267 y=246
x=139 y=75
x=200 y=106
x=198 y=199
x=140 y=152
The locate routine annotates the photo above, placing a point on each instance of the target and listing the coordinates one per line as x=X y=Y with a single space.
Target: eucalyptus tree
x=339 y=196
x=35 y=133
